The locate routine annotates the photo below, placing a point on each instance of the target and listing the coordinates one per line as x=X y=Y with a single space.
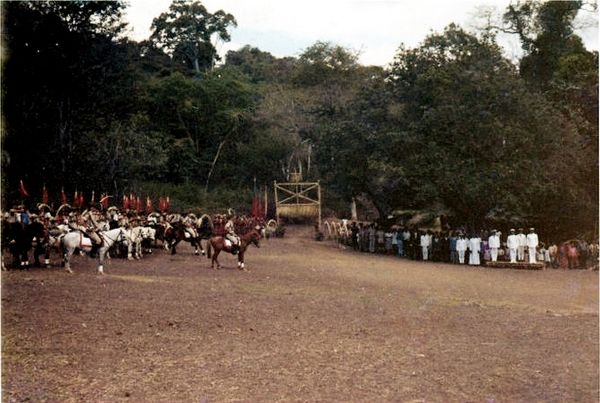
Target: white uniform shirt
x=425 y=240
x=461 y=244
x=475 y=244
x=532 y=240
x=522 y=239
x=512 y=241
x=494 y=241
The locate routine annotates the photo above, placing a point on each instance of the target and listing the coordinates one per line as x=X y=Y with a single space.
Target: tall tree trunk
x=212 y=167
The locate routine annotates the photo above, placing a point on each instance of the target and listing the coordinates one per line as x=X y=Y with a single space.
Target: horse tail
x=208 y=249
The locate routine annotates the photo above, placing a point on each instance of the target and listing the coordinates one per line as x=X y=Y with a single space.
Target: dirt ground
x=309 y=322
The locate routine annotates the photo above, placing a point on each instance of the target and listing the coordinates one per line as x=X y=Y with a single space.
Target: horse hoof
x=196 y=253
x=69 y=271
x=203 y=253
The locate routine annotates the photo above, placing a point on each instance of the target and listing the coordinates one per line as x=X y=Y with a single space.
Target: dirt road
x=308 y=322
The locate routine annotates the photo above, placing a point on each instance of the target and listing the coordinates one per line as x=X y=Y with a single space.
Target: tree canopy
x=450 y=126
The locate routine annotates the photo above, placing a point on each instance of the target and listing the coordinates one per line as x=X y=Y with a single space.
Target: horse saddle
x=85 y=242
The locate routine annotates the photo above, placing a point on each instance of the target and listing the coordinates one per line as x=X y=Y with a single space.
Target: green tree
x=186 y=32
x=66 y=71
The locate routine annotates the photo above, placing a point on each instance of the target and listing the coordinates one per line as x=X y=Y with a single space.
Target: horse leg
x=214 y=259
x=241 y=261
x=194 y=243
x=47 y=257
x=130 y=250
x=25 y=259
x=67 y=260
x=37 y=251
x=201 y=248
x=101 y=254
x=173 y=245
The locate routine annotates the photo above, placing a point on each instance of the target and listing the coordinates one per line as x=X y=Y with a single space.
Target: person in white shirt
x=461 y=247
x=425 y=244
x=494 y=244
x=522 y=244
x=474 y=247
x=512 y=242
x=532 y=243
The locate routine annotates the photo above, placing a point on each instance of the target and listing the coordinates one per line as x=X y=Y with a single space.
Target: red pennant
x=148 y=205
x=22 y=190
x=44 y=195
x=63 y=196
x=104 y=200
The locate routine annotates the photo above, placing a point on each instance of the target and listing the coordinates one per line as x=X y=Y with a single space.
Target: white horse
x=134 y=243
x=76 y=239
x=136 y=237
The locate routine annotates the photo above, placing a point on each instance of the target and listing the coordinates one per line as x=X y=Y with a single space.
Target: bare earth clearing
x=309 y=322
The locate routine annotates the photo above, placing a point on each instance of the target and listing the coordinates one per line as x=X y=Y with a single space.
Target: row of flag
x=131 y=201
x=135 y=203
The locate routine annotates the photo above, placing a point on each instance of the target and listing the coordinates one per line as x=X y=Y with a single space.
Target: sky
x=373 y=28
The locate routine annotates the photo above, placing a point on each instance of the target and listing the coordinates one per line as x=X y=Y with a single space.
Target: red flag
x=63 y=196
x=125 y=202
x=22 y=190
x=81 y=201
x=104 y=200
x=44 y=194
x=76 y=199
x=138 y=204
x=148 y=205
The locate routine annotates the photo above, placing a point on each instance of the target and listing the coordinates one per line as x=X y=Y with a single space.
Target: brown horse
x=218 y=243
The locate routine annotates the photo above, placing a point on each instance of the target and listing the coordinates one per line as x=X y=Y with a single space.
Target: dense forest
x=451 y=126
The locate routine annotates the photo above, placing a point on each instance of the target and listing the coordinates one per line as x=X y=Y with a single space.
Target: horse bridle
x=117 y=239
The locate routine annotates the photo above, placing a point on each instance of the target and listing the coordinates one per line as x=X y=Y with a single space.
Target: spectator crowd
x=475 y=248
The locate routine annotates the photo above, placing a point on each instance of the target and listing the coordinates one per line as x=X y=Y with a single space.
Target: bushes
x=192 y=197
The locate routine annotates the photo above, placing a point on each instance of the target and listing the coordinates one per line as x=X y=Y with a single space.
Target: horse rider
x=189 y=222
x=86 y=224
x=231 y=235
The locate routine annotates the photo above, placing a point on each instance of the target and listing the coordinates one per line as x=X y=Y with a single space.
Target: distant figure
x=461 y=248
x=494 y=245
x=532 y=243
x=572 y=255
x=406 y=242
x=425 y=245
x=522 y=244
x=452 y=246
x=372 y=238
x=475 y=248
x=512 y=242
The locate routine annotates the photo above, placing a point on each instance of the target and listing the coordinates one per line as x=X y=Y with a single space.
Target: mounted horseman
x=87 y=225
x=231 y=235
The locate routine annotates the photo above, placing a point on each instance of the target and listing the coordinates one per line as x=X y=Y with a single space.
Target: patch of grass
x=139 y=279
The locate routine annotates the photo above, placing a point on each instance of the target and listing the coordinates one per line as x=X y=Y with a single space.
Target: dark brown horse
x=218 y=243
